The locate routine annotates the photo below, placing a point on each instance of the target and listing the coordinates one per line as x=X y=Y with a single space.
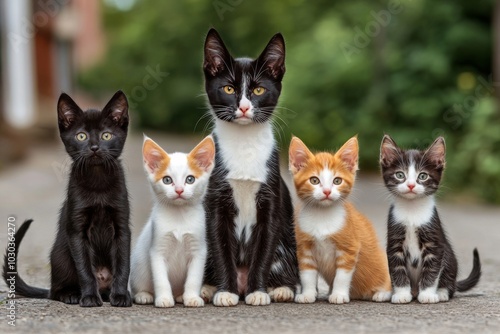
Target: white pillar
x=18 y=65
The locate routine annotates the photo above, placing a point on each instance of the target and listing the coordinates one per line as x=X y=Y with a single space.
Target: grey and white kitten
x=422 y=263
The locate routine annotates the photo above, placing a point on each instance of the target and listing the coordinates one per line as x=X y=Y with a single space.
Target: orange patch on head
x=156 y=160
x=201 y=158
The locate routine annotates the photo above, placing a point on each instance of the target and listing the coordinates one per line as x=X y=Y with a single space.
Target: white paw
x=382 y=296
x=179 y=299
x=428 y=297
x=225 y=298
x=193 y=301
x=164 y=301
x=338 y=297
x=401 y=298
x=443 y=295
x=207 y=292
x=282 y=294
x=305 y=298
x=258 y=298
x=143 y=298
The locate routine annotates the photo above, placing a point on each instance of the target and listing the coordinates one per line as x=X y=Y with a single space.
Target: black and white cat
x=422 y=263
x=251 y=243
x=90 y=258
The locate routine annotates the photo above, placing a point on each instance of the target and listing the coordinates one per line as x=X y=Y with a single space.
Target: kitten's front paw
x=69 y=298
x=338 y=297
x=224 y=298
x=164 y=301
x=258 y=298
x=401 y=298
x=91 y=301
x=428 y=297
x=282 y=294
x=382 y=296
x=207 y=292
x=193 y=301
x=120 y=300
x=143 y=298
x=305 y=298
x=443 y=294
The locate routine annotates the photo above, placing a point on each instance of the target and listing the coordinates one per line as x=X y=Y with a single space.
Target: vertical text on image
x=11 y=270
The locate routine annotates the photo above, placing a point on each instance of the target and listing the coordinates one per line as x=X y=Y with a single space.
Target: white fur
x=415 y=212
x=401 y=295
x=341 y=286
x=309 y=282
x=326 y=178
x=169 y=257
x=321 y=222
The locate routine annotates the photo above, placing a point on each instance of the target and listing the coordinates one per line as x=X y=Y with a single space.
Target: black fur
x=437 y=258
x=93 y=231
x=272 y=239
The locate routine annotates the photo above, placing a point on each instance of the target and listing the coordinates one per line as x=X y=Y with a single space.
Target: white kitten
x=168 y=261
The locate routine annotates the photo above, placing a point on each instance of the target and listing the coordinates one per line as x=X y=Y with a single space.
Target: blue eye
x=190 y=179
x=167 y=180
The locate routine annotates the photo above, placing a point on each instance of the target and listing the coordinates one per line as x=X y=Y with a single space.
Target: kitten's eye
x=229 y=90
x=314 y=180
x=106 y=136
x=400 y=175
x=167 y=180
x=423 y=176
x=337 y=181
x=81 y=136
x=259 y=90
x=190 y=179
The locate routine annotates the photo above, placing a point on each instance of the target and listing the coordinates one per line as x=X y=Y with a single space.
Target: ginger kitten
x=333 y=238
x=168 y=260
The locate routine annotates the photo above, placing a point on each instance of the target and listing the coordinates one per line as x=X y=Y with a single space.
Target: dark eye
x=423 y=176
x=190 y=179
x=81 y=136
x=167 y=180
x=106 y=136
x=314 y=180
x=337 y=181
x=400 y=175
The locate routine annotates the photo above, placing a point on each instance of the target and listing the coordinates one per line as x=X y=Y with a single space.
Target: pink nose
x=244 y=109
x=411 y=186
x=179 y=191
x=327 y=192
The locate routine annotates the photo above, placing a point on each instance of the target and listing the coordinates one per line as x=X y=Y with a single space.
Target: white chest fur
x=415 y=212
x=321 y=222
x=245 y=149
x=244 y=193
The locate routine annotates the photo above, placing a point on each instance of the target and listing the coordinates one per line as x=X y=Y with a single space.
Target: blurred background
x=412 y=69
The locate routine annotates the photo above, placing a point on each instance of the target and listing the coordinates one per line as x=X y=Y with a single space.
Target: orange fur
x=157 y=157
x=201 y=156
x=354 y=245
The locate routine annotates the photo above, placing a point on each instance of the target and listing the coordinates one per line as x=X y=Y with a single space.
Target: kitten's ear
x=273 y=56
x=117 y=109
x=298 y=155
x=154 y=157
x=436 y=152
x=349 y=153
x=389 y=151
x=67 y=111
x=203 y=154
x=216 y=55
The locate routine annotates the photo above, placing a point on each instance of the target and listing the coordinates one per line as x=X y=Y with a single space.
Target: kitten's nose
x=244 y=108
x=327 y=192
x=411 y=186
x=179 y=191
x=94 y=148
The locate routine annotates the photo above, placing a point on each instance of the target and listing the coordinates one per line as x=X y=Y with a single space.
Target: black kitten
x=251 y=242
x=90 y=258
x=421 y=260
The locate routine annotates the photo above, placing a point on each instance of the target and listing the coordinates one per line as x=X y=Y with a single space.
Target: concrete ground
x=35 y=189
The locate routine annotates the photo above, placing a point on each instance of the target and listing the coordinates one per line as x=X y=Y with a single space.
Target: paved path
x=35 y=189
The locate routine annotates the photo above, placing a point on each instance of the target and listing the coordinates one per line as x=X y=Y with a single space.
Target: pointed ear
x=117 y=109
x=273 y=56
x=349 y=153
x=203 y=155
x=216 y=55
x=154 y=157
x=389 y=151
x=298 y=155
x=67 y=111
x=436 y=152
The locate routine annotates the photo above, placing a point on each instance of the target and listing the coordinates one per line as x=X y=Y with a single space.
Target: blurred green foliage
x=413 y=69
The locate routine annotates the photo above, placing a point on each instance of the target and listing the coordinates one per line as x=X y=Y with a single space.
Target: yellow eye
x=229 y=90
x=314 y=180
x=259 y=90
x=106 y=136
x=81 y=136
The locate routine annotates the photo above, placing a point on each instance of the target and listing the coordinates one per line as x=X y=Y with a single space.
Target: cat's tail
x=14 y=282
x=474 y=275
